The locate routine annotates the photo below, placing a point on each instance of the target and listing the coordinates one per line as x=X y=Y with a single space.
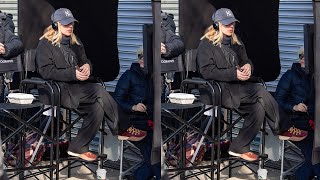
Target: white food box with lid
x=20 y=98
x=181 y=98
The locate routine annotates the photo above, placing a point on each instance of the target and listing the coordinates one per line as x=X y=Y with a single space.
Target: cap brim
x=68 y=21
x=228 y=21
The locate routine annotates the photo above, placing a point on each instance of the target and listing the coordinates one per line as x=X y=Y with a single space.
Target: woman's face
x=67 y=30
x=141 y=62
x=227 y=30
x=301 y=60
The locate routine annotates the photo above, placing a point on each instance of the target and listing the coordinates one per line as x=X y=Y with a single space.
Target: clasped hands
x=83 y=72
x=244 y=72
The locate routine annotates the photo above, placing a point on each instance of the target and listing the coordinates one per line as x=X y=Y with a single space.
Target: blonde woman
x=61 y=57
x=222 y=57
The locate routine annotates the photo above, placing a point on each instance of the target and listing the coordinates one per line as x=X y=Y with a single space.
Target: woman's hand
x=163 y=48
x=139 y=107
x=2 y=49
x=301 y=107
x=242 y=76
x=85 y=69
x=246 y=69
x=81 y=76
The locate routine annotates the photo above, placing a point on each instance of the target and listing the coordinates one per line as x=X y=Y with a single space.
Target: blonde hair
x=55 y=36
x=301 y=50
x=216 y=36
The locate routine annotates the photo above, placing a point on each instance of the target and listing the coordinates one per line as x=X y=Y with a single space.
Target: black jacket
x=213 y=65
x=132 y=88
x=12 y=44
x=52 y=65
x=174 y=44
x=295 y=87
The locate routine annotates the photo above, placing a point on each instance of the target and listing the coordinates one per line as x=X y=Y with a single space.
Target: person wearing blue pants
x=134 y=95
x=295 y=94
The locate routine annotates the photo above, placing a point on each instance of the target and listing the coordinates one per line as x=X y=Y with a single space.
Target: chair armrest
x=257 y=79
x=95 y=79
x=197 y=81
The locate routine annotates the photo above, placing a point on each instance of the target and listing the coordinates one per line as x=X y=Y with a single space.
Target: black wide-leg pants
x=95 y=103
x=256 y=103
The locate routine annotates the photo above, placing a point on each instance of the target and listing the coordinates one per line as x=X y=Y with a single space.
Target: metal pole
x=316 y=11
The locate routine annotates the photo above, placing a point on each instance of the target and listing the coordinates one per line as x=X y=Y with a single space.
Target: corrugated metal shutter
x=172 y=6
x=132 y=14
x=293 y=14
x=10 y=7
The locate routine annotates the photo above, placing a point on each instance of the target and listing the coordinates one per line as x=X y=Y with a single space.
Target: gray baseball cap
x=63 y=15
x=224 y=15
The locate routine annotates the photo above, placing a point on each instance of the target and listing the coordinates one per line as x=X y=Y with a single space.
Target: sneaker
x=88 y=156
x=132 y=134
x=249 y=156
x=293 y=134
x=73 y=154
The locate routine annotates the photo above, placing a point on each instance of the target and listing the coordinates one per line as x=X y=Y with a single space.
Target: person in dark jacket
x=134 y=94
x=171 y=47
x=295 y=94
x=171 y=44
x=10 y=47
x=60 y=56
x=222 y=57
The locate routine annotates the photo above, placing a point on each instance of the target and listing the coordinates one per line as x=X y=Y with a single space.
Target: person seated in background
x=171 y=47
x=134 y=95
x=222 y=57
x=60 y=56
x=10 y=45
x=295 y=94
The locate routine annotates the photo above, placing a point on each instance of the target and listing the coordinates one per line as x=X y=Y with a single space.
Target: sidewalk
x=239 y=173
x=242 y=173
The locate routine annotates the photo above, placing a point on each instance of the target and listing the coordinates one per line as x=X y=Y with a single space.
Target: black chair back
x=29 y=60
x=11 y=65
x=172 y=65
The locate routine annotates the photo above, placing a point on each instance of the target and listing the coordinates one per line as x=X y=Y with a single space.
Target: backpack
x=167 y=21
x=12 y=152
x=6 y=21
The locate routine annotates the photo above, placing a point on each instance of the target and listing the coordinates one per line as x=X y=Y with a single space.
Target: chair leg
x=121 y=159
x=101 y=145
x=262 y=145
x=282 y=159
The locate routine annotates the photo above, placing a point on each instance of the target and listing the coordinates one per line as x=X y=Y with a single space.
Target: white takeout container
x=20 y=98
x=181 y=98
